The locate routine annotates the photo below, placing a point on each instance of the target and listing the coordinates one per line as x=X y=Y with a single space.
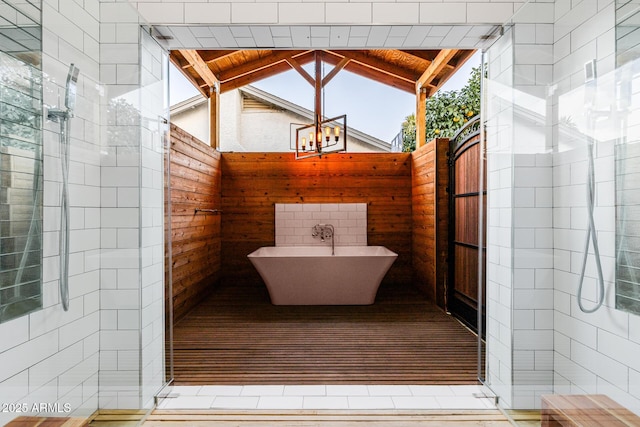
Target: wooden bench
x=584 y=411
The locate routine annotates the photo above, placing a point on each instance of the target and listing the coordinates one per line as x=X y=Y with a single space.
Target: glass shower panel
x=20 y=160
x=561 y=116
x=154 y=127
x=498 y=119
x=628 y=158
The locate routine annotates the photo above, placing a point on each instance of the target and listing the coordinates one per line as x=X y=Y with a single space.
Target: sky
x=371 y=107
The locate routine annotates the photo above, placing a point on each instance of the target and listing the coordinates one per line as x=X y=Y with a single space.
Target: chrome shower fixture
x=70 y=93
x=59 y=114
x=63 y=117
x=325 y=231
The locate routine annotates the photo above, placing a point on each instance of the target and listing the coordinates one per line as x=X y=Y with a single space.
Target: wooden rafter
x=387 y=79
x=407 y=85
x=216 y=55
x=336 y=69
x=379 y=64
x=201 y=67
x=259 y=64
x=427 y=55
x=401 y=69
x=298 y=67
x=181 y=63
x=246 y=79
x=439 y=63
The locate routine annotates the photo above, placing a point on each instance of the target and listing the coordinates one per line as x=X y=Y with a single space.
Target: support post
x=421 y=116
x=318 y=89
x=214 y=116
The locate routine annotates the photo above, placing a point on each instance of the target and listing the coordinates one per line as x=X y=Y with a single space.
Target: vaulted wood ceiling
x=407 y=70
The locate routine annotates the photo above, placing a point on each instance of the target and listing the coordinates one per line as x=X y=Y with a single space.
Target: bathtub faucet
x=325 y=231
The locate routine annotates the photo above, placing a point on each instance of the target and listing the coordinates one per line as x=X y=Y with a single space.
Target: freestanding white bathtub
x=310 y=275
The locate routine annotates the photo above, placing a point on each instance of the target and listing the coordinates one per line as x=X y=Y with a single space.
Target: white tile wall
x=50 y=355
x=520 y=215
x=120 y=208
x=295 y=221
x=590 y=351
x=362 y=12
x=132 y=277
x=301 y=24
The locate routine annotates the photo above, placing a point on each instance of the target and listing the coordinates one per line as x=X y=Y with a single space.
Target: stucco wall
x=250 y=130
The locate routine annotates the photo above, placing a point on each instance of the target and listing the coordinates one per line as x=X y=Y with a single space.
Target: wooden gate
x=465 y=190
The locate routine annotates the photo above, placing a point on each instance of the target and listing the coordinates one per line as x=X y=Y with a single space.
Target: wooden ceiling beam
x=298 y=67
x=178 y=60
x=246 y=79
x=235 y=59
x=437 y=65
x=336 y=69
x=259 y=64
x=402 y=74
x=210 y=56
x=334 y=58
x=426 y=54
x=461 y=57
x=385 y=78
x=201 y=67
x=379 y=64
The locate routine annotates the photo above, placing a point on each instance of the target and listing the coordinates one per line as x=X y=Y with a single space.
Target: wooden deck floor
x=236 y=336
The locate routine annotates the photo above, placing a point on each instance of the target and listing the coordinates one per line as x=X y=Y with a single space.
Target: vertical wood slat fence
x=430 y=216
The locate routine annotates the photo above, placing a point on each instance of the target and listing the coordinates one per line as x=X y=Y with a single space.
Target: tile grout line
x=276 y=397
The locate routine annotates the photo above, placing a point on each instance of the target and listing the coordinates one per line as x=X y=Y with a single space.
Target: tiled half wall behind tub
x=294 y=223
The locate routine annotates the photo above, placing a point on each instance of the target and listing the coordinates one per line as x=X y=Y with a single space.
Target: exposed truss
x=402 y=69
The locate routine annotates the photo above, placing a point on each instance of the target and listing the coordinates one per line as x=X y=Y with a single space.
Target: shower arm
x=58 y=115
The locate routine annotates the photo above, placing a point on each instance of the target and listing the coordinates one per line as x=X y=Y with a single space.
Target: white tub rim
x=322 y=251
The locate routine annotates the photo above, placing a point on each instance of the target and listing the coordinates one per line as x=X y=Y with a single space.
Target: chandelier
x=324 y=135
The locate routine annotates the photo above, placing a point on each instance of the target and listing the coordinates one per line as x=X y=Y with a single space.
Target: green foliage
x=409 y=133
x=446 y=112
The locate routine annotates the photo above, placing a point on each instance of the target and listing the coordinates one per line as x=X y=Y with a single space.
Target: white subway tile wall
x=335 y=13
x=52 y=355
x=132 y=281
x=120 y=295
x=295 y=221
x=591 y=350
x=520 y=227
x=555 y=347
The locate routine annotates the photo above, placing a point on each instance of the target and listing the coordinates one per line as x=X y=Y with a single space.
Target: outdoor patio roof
x=408 y=70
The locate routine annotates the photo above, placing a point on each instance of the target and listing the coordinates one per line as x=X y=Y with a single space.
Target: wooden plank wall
x=430 y=213
x=254 y=182
x=196 y=243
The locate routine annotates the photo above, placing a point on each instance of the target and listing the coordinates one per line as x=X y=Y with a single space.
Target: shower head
x=70 y=93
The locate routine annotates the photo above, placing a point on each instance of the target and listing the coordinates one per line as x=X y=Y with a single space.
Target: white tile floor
x=327 y=397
